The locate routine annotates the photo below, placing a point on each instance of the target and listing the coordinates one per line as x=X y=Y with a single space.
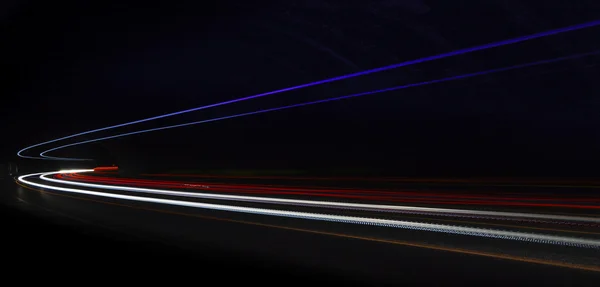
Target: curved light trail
x=330 y=204
x=448 y=79
x=432 y=227
x=417 y=61
x=356 y=194
x=457 y=197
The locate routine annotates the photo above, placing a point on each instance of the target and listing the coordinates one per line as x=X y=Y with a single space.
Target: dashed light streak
x=472 y=231
x=325 y=204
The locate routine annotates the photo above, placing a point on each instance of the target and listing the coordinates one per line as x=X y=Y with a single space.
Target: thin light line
x=453 y=78
x=394 y=242
x=417 y=61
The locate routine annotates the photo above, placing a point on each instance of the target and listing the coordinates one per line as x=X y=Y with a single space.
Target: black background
x=74 y=66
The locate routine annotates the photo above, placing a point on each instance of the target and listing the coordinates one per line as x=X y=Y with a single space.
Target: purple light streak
x=453 y=78
x=417 y=61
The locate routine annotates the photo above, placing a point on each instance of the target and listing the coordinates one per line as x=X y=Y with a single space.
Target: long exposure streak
x=358 y=206
x=411 y=225
x=421 y=60
x=460 y=77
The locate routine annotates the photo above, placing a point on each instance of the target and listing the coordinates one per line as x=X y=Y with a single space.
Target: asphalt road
x=111 y=237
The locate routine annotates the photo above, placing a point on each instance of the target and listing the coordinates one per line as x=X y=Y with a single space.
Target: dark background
x=72 y=66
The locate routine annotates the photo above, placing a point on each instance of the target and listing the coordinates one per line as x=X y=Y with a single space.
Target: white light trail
x=490 y=233
x=325 y=204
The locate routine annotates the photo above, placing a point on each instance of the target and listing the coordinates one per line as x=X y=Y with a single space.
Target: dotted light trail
x=450 y=229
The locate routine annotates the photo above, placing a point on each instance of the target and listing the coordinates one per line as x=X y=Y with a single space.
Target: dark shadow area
x=33 y=240
x=77 y=66
x=60 y=235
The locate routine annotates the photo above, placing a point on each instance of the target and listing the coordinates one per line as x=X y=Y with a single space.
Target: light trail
x=459 y=197
x=417 y=61
x=356 y=206
x=231 y=188
x=334 y=234
x=450 y=229
x=453 y=78
x=509 y=182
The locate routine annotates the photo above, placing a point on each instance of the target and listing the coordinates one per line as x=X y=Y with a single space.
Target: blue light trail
x=459 y=77
x=412 y=62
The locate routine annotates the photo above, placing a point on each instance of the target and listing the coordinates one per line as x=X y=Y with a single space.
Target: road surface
x=313 y=249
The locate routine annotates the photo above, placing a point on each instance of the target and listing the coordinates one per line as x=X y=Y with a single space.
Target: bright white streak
x=491 y=233
x=347 y=205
